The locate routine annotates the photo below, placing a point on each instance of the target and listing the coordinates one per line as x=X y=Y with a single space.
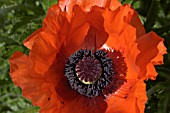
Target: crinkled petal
x=44 y=51
x=80 y=24
x=134 y=103
x=151 y=51
x=136 y=22
x=87 y=4
x=46 y=42
x=115 y=20
x=36 y=89
x=114 y=4
x=56 y=20
x=67 y=5
x=29 y=42
x=96 y=35
x=76 y=39
x=158 y=60
x=77 y=32
x=116 y=25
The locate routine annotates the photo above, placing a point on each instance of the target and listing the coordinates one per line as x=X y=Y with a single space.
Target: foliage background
x=19 y=18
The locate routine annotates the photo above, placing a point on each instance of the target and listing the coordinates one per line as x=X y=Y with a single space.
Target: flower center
x=88 y=72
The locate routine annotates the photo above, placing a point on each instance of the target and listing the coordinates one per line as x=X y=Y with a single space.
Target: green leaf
x=152 y=90
x=24 y=21
x=11 y=49
x=164 y=103
x=164 y=72
x=7 y=9
x=7 y=40
x=31 y=109
x=48 y=3
x=4 y=68
x=8 y=2
x=2 y=21
x=151 y=15
x=162 y=30
x=127 y=2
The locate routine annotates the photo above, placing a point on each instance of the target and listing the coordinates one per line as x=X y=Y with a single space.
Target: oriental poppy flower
x=89 y=56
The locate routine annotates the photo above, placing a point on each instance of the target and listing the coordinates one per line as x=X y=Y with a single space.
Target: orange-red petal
x=134 y=103
x=80 y=104
x=29 y=42
x=136 y=22
x=33 y=88
x=87 y=4
x=114 y=4
x=158 y=60
x=77 y=31
x=122 y=36
x=96 y=35
x=56 y=21
x=44 y=51
x=46 y=42
x=67 y=5
x=151 y=51
x=73 y=25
